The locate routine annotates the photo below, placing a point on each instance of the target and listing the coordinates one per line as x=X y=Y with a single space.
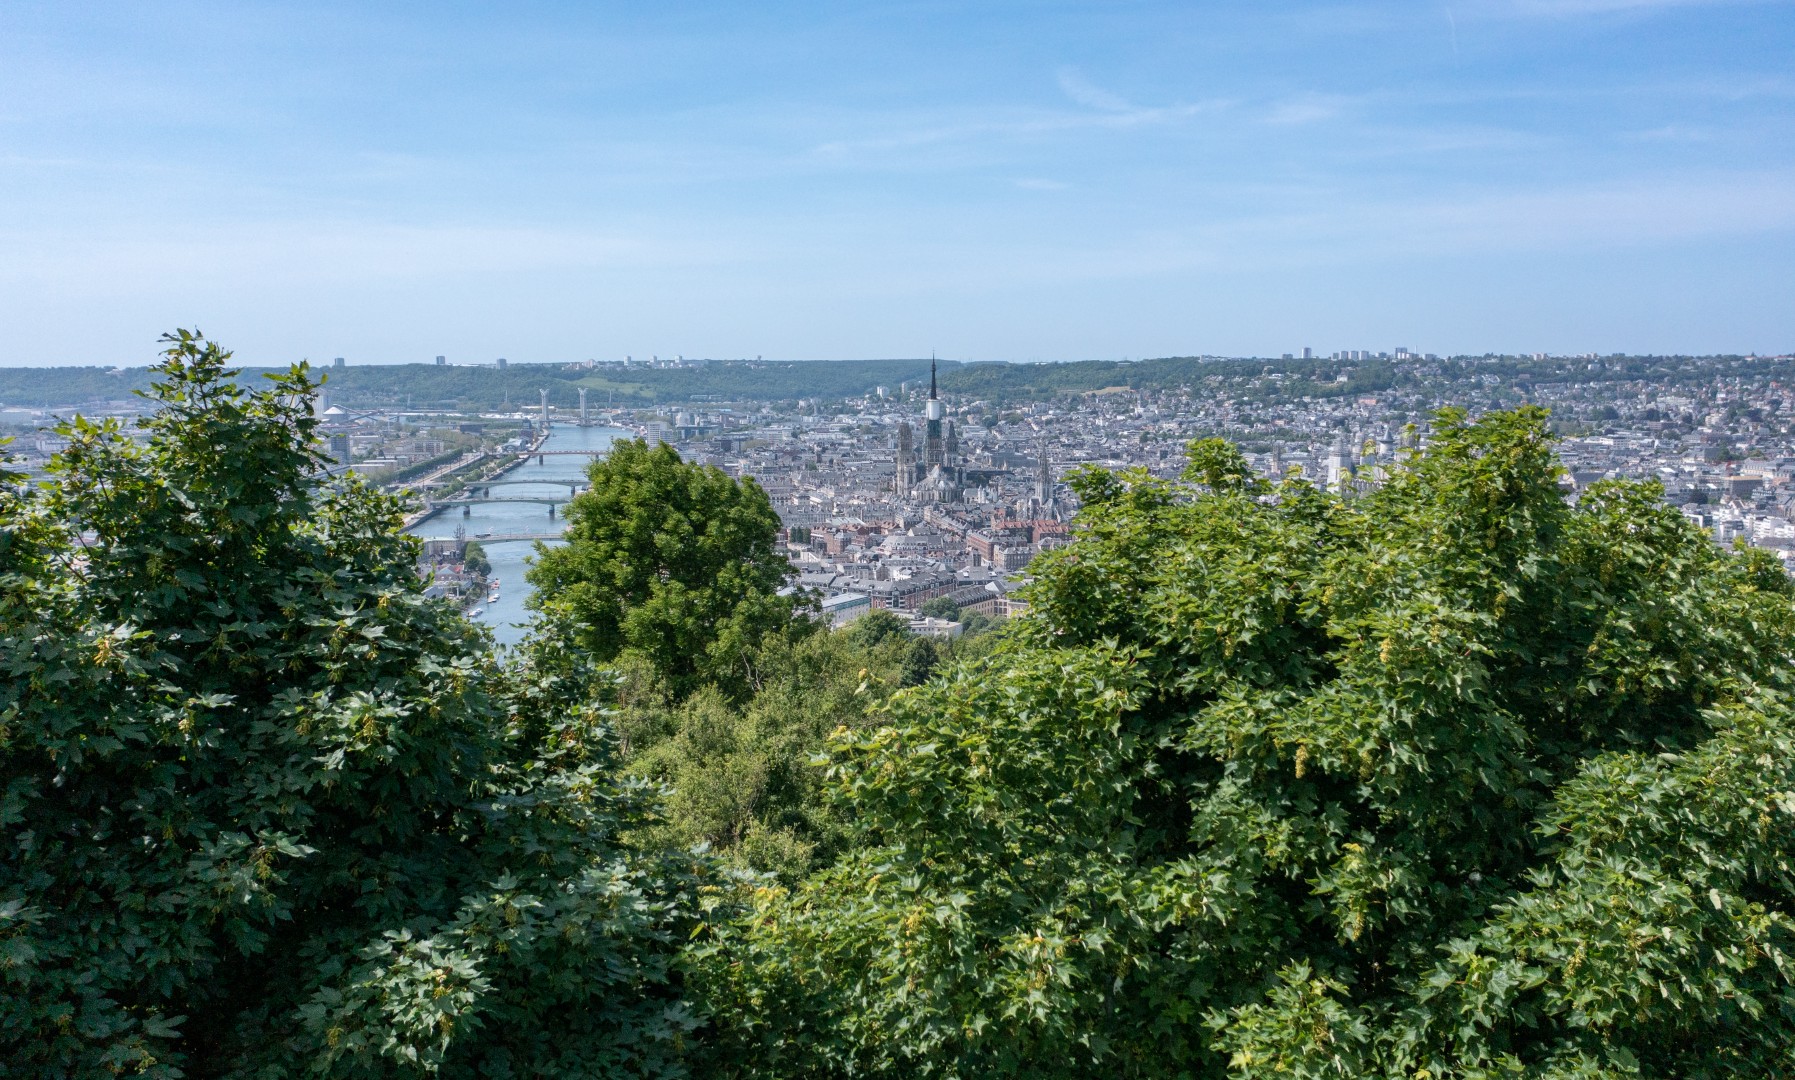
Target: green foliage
x=941 y=607
x=474 y=560
x=269 y=812
x=671 y=561
x=976 y=624
x=742 y=776
x=1450 y=780
x=878 y=626
x=485 y=387
x=741 y=771
x=1219 y=465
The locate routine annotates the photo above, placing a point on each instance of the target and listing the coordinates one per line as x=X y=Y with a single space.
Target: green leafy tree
x=741 y=774
x=941 y=607
x=267 y=811
x=742 y=777
x=976 y=623
x=672 y=561
x=973 y=624
x=474 y=560
x=878 y=626
x=1448 y=780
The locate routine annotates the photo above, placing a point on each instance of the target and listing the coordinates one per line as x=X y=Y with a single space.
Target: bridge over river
x=481 y=495
x=542 y=456
x=505 y=538
x=511 y=510
x=435 y=501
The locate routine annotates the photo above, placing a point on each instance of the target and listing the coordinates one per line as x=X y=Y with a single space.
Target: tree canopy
x=1452 y=780
x=267 y=811
x=673 y=561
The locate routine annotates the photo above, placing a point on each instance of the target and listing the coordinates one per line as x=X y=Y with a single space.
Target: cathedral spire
x=932 y=377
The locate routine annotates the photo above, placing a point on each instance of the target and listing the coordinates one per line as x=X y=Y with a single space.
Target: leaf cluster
x=672 y=562
x=741 y=771
x=268 y=811
x=1451 y=780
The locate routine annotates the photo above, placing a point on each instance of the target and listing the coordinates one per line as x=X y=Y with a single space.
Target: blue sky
x=1018 y=181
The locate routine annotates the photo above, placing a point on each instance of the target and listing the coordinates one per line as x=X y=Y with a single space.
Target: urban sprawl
x=914 y=490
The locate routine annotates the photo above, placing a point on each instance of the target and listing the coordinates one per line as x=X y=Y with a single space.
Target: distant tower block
x=545 y=409
x=337 y=363
x=582 y=406
x=441 y=361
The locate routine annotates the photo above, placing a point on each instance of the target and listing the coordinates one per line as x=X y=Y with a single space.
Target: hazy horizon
x=326 y=367
x=554 y=182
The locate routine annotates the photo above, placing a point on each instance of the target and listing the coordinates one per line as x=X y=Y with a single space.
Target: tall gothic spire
x=932 y=377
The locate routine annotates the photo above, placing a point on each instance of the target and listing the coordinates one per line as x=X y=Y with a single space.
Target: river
x=510 y=558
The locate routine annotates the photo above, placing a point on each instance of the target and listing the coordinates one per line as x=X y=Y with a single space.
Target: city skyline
x=560 y=182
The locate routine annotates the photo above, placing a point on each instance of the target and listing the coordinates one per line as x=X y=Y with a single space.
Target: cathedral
x=940 y=477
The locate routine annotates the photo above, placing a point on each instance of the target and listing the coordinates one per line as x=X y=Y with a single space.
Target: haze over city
x=554 y=182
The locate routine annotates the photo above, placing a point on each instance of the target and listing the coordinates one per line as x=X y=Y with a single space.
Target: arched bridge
x=541 y=455
x=482 y=492
x=476 y=497
x=540 y=500
x=500 y=538
x=484 y=484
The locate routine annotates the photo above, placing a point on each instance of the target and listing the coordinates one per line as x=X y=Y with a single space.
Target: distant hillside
x=428 y=386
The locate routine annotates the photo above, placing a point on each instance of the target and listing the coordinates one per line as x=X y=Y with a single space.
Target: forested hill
x=429 y=386
x=426 y=385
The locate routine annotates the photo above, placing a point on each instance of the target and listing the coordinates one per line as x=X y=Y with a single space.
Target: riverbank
x=510 y=530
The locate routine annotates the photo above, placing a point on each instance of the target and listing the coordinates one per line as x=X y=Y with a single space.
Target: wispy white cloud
x=1374 y=141
x=1625 y=214
x=1087 y=93
x=1671 y=133
x=996 y=126
x=505 y=158
x=1102 y=110
x=1573 y=8
x=1331 y=228
x=1307 y=109
x=1574 y=219
x=345 y=252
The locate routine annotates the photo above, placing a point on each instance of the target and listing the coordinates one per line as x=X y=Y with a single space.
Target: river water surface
x=510 y=558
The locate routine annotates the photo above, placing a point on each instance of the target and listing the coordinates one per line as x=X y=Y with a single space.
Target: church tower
x=934 y=453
